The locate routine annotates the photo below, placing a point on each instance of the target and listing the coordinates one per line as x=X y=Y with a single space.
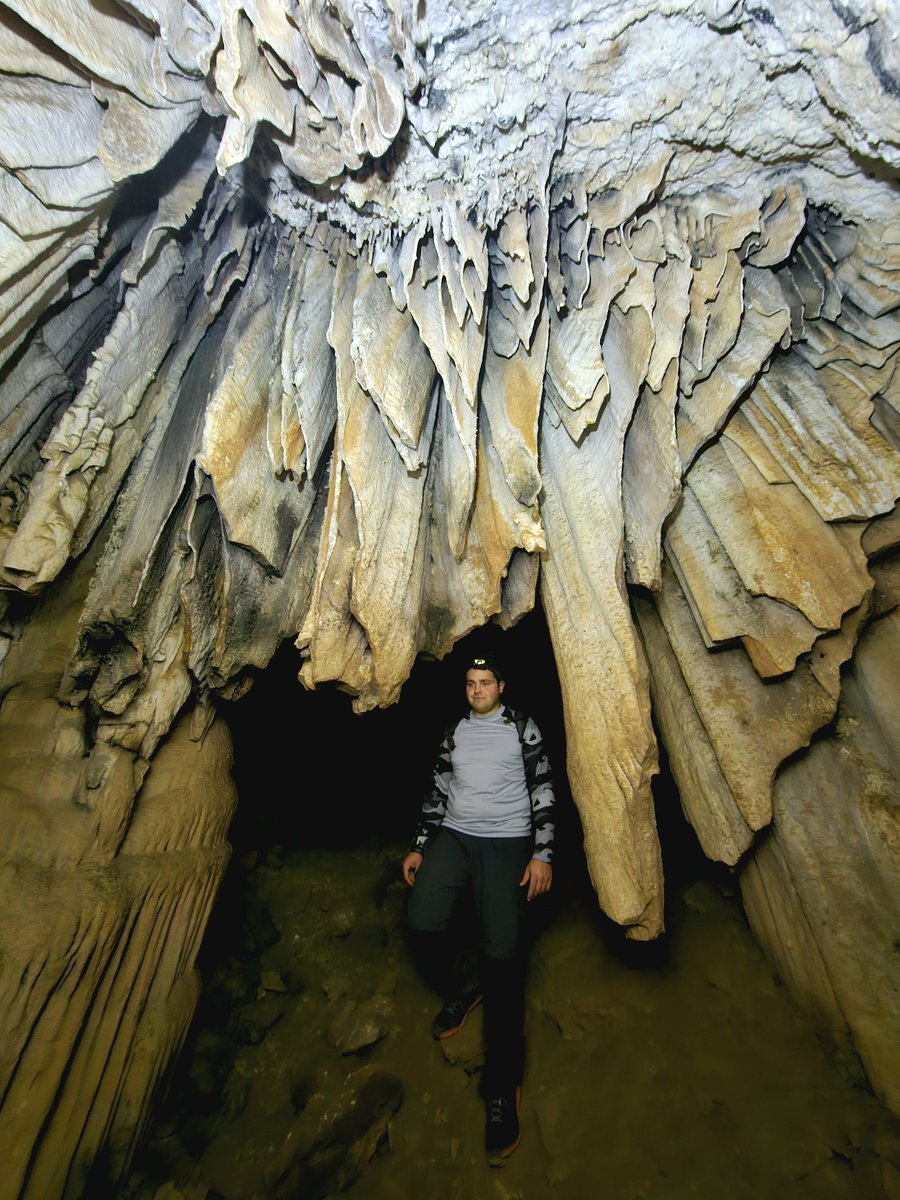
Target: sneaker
x=501 y=1126
x=453 y=1015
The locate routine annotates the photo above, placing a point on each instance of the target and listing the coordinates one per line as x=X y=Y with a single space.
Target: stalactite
x=324 y=323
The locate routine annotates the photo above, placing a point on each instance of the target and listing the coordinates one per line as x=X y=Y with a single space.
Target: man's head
x=484 y=685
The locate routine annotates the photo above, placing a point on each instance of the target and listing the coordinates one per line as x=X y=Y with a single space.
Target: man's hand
x=538 y=875
x=411 y=864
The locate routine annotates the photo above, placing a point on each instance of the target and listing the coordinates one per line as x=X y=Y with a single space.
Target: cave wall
x=358 y=326
x=105 y=900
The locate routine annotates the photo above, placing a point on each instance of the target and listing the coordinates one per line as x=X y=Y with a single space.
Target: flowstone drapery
x=357 y=325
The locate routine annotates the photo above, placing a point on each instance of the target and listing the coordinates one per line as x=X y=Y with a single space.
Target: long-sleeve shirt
x=471 y=816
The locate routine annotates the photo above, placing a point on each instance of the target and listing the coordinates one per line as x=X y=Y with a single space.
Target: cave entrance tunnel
x=668 y=1069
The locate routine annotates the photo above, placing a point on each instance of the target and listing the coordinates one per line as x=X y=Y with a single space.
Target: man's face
x=482 y=692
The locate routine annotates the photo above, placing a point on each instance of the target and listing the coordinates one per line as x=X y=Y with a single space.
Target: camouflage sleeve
x=435 y=804
x=539 y=778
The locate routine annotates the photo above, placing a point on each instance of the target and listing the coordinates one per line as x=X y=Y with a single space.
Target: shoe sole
x=501 y=1157
x=456 y=1028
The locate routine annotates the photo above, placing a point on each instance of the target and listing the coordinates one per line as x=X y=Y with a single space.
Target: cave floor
x=675 y=1070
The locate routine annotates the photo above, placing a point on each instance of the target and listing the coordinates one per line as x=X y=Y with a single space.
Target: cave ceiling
x=357 y=324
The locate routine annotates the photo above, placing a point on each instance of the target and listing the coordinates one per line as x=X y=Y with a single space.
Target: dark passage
x=318 y=774
x=655 y=1072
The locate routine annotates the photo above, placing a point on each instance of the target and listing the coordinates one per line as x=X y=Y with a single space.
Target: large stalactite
x=359 y=324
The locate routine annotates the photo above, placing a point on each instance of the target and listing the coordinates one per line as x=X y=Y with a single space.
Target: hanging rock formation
x=357 y=325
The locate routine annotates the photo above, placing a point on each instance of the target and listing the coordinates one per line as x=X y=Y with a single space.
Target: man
x=485 y=832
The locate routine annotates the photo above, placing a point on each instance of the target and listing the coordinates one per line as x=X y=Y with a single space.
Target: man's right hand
x=411 y=864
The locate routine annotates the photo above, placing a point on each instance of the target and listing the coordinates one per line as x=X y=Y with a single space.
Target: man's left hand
x=538 y=876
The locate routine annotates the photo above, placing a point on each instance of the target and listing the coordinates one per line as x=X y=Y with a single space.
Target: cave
x=340 y=335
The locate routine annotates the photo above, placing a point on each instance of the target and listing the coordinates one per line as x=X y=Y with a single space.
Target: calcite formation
x=357 y=324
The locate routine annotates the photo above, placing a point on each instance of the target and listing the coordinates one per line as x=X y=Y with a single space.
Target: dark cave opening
x=316 y=773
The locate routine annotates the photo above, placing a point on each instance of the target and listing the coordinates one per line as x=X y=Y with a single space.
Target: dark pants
x=486 y=871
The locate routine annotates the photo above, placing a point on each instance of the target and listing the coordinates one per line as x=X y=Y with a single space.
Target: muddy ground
x=661 y=1072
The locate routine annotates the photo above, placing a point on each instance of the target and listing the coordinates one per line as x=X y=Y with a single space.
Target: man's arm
x=539 y=779
x=435 y=804
x=432 y=814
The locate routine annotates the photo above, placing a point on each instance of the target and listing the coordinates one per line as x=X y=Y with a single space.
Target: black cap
x=485 y=662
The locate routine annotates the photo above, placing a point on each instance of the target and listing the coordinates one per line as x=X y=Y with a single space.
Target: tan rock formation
x=356 y=325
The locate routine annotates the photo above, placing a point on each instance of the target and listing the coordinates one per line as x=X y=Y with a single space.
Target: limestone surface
x=362 y=325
